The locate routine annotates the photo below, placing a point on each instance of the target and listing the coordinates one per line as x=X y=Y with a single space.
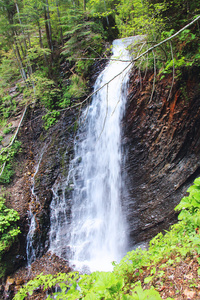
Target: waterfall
x=88 y=225
x=31 y=247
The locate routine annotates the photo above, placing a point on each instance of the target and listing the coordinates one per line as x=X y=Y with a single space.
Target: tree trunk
x=20 y=22
x=40 y=35
x=19 y=59
x=61 y=32
x=29 y=40
x=48 y=26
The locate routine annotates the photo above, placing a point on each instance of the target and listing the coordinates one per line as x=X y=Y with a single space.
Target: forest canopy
x=37 y=36
x=48 y=47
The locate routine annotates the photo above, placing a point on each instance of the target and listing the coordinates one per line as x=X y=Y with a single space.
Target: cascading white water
x=88 y=227
x=30 y=248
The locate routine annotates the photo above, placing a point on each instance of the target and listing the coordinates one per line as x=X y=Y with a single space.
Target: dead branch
x=104 y=122
x=3 y=167
x=13 y=139
x=146 y=69
x=154 y=77
x=173 y=73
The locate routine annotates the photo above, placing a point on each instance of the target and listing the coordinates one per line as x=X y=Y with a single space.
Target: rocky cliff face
x=161 y=145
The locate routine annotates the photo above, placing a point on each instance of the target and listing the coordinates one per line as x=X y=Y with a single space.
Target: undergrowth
x=8 y=230
x=123 y=283
x=7 y=155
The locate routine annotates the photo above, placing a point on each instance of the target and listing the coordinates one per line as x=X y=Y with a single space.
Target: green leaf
x=196 y=195
x=91 y=296
x=148 y=279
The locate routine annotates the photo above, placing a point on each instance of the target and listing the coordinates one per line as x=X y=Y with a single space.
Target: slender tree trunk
x=19 y=65
x=76 y=3
x=19 y=59
x=29 y=40
x=26 y=58
x=20 y=22
x=47 y=29
x=21 y=47
x=47 y=18
x=105 y=12
x=41 y=42
x=84 y=4
x=48 y=34
x=40 y=35
x=61 y=32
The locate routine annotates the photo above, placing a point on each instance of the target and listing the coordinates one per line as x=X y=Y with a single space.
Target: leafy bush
x=8 y=227
x=190 y=206
x=50 y=119
x=78 y=86
x=46 y=90
x=85 y=41
x=6 y=157
x=7 y=106
x=97 y=286
x=7 y=130
x=8 y=231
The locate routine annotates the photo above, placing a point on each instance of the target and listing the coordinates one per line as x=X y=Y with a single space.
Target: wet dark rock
x=57 y=149
x=57 y=145
x=161 y=146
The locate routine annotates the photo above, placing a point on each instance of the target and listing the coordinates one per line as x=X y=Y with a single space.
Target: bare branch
x=105 y=115
x=146 y=67
x=13 y=139
x=3 y=167
x=172 y=72
x=154 y=77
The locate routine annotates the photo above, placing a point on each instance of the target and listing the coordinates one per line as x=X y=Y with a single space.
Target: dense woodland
x=47 y=50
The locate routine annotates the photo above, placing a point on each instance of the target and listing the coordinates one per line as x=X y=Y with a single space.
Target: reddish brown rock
x=161 y=145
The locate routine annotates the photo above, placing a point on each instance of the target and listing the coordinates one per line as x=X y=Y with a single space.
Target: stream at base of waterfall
x=88 y=224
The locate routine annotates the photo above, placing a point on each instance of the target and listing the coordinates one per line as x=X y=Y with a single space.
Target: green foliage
x=84 y=42
x=8 y=230
x=7 y=106
x=7 y=130
x=187 y=51
x=139 y=17
x=66 y=98
x=37 y=53
x=7 y=174
x=45 y=90
x=85 y=37
x=6 y=157
x=8 y=68
x=190 y=206
x=101 y=9
x=77 y=87
x=98 y=285
x=50 y=119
